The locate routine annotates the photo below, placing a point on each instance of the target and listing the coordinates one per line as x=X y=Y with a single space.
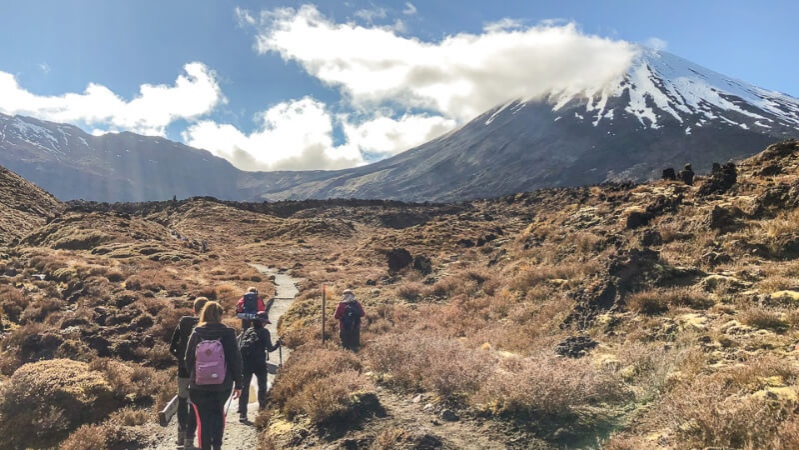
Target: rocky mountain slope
x=24 y=207
x=664 y=111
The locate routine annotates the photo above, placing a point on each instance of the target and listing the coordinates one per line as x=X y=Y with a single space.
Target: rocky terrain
x=620 y=315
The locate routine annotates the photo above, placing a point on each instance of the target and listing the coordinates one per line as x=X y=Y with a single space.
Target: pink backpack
x=210 y=366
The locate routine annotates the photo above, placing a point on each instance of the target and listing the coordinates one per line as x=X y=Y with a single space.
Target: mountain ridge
x=664 y=111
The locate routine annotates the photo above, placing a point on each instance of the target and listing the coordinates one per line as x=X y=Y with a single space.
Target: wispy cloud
x=193 y=94
x=44 y=67
x=409 y=10
x=656 y=43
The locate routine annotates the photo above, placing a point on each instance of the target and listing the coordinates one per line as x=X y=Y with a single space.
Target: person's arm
x=174 y=347
x=266 y=336
x=360 y=308
x=238 y=369
x=339 y=311
x=190 y=349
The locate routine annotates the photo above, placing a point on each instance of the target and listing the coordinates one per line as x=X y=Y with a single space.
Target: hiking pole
x=324 y=291
x=280 y=354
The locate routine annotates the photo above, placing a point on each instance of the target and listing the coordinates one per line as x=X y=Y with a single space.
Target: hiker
x=214 y=362
x=187 y=423
x=248 y=306
x=349 y=312
x=255 y=343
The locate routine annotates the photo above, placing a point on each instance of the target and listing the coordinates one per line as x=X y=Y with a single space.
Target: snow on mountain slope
x=659 y=83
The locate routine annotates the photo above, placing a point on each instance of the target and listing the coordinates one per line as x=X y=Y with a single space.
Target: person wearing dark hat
x=348 y=313
x=255 y=343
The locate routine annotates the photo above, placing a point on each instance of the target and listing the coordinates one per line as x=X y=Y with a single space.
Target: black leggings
x=260 y=374
x=209 y=407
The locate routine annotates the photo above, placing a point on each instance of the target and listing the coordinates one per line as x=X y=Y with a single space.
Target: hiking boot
x=188 y=444
x=181 y=438
x=243 y=420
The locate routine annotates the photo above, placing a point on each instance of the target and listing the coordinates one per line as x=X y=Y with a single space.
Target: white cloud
x=194 y=94
x=44 y=67
x=656 y=43
x=458 y=78
x=386 y=136
x=292 y=135
x=409 y=10
x=502 y=25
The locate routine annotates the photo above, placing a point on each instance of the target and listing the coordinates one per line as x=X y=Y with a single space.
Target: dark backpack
x=351 y=317
x=250 y=305
x=210 y=366
x=251 y=348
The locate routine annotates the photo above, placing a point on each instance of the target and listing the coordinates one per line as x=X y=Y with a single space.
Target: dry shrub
x=764 y=319
x=410 y=291
x=649 y=368
x=548 y=387
x=320 y=383
x=429 y=362
x=130 y=383
x=649 y=303
x=718 y=410
x=118 y=432
x=13 y=302
x=38 y=310
x=389 y=439
x=44 y=401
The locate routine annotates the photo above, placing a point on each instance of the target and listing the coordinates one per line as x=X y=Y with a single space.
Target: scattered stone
x=651 y=237
x=417 y=399
x=423 y=264
x=720 y=180
x=669 y=174
x=429 y=407
x=713 y=258
x=575 y=346
x=449 y=415
x=465 y=243
x=686 y=175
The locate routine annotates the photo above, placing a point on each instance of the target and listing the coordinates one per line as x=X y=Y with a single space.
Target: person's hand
x=236 y=393
x=279 y=342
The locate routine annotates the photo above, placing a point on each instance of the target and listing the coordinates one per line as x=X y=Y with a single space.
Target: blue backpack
x=250 y=303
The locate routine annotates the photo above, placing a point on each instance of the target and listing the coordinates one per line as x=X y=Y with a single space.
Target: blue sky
x=275 y=85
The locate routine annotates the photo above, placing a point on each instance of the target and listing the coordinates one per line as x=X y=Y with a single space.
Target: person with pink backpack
x=214 y=361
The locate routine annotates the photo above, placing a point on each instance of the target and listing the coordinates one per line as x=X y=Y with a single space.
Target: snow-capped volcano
x=660 y=85
x=663 y=111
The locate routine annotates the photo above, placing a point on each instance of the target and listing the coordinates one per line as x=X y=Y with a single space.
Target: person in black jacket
x=255 y=343
x=208 y=400
x=187 y=423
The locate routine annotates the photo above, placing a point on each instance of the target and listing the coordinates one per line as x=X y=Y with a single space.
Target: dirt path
x=239 y=436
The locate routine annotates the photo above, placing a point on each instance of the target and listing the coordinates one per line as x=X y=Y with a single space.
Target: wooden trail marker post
x=324 y=291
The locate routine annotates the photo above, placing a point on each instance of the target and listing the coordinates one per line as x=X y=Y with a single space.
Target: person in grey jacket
x=208 y=400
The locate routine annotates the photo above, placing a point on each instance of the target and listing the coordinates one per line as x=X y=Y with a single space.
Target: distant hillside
x=23 y=206
x=665 y=111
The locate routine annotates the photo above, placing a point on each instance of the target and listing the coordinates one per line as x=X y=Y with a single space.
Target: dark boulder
x=725 y=218
x=720 y=180
x=398 y=259
x=423 y=264
x=575 y=346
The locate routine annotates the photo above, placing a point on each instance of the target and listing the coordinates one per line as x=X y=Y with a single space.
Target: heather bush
x=548 y=388
x=738 y=407
x=765 y=319
x=649 y=303
x=319 y=382
x=55 y=395
x=431 y=363
x=13 y=302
